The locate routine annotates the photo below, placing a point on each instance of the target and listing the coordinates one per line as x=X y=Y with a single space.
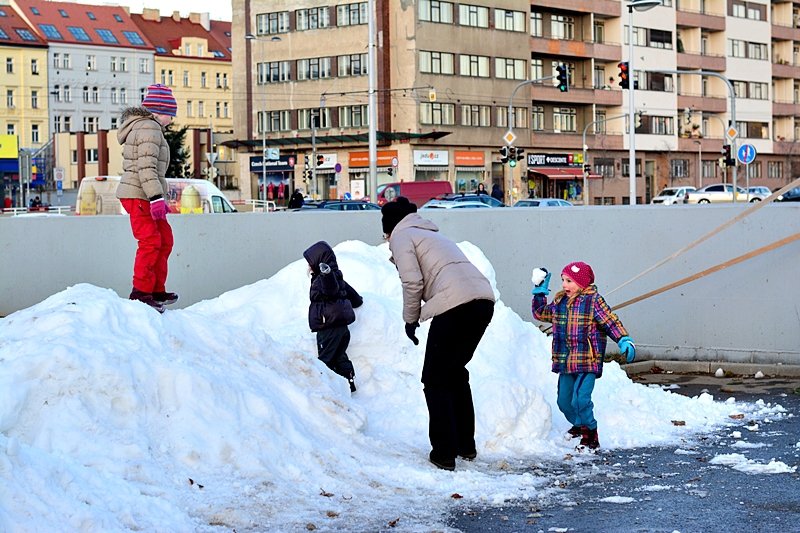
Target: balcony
x=558 y=47
x=606 y=8
x=783 y=146
x=785 y=109
x=708 y=145
x=576 y=95
x=782 y=32
x=785 y=70
x=551 y=140
x=696 y=19
x=694 y=61
x=608 y=52
x=706 y=104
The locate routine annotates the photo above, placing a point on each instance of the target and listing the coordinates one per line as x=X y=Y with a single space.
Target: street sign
x=732 y=133
x=746 y=154
x=211 y=157
x=509 y=137
x=273 y=154
x=395 y=162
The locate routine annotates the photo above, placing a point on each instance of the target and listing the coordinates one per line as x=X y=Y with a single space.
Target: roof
x=83 y=24
x=165 y=32
x=357 y=138
x=15 y=31
x=562 y=173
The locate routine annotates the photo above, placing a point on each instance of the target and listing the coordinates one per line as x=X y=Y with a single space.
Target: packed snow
x=219 y=416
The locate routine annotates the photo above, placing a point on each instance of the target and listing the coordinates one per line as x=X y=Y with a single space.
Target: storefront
x=389 y=171
x=431 y=165
x=327 y=177
x=470 y=171
x=555 y=176
x=276 y=179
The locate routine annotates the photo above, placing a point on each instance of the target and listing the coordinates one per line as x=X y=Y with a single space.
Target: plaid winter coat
x=579 y=330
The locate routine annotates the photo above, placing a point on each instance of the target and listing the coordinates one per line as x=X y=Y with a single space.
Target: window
x=562 y=27
x=509 y=20
x=738 y=10
x=437 y=114
x=679 y=168
x=355 y=116
x=86 y=94
x=519 y=115
x=91 y=15
x=74 y=157
x=437 y=62
x=144 y=65
x=225 y=110
x=9 y=98
x=218 y=110
x=436 y=11
x=79 y=33
x=352 y=65
x=565 y=119
x=123 y=64
x=476 y=115
x=114 y=96
x=536 y=25
x=757 y=51
x=537 y=118
x=474 y=66
x=123 y=95
x=91 y=62
x=775 y=169
x=604 y=167
x=660 y=39
x=67 y=93
x=11 y=129
x=661 y=125
x=66 y=61
x=222 y=80
x=476 y=16
x=90 y=126
x=107 y=36
x=35 y=67
x=3 y=34
x=35 y=99
x=201 y=109
x=758 y=91
x=35 y=133
x=737 y=48
x=114 y=123
x=186 y=78
x=118 y=18
x=272 y=23
x=51 y=32
x=189 y=108
x=274 y=72
x=35 y=11
x=537 y=69
x=322 y=118
x=187 y=50
x=314 y=68
x=312 y=19
x=91 y=155
x=203 y=80
x=63 y=13
x=134 y=38
x=274 y=121
x=24 y=34
x=509 y=69
x=351 y=14
x=56 y=93
x=9 y=65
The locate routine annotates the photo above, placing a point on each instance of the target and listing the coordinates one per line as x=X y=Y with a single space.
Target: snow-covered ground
x=220 y=417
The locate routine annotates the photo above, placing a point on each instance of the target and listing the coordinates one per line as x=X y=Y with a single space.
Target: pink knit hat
x=159 y=100
x=581 y=273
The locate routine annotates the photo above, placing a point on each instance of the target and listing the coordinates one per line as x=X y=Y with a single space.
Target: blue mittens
x=540 y=278
x=627 y=348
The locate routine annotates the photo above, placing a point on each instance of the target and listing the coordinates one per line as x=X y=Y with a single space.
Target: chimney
x=149 y=13
x=176 y=16
x=204 y=19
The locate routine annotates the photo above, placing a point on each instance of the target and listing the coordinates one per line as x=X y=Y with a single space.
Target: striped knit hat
x=159 y=100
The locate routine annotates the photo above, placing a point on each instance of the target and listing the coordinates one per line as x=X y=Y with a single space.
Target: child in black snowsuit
x=331 y=310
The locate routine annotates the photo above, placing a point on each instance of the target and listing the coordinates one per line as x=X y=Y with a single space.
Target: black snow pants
x=453 y=337
x=332 y=346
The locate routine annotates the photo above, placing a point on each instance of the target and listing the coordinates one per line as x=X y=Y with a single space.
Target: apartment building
x=446 y=72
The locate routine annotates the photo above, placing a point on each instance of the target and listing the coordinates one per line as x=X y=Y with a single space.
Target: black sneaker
x=165 y=298
x=444 y=464
x=146 y=298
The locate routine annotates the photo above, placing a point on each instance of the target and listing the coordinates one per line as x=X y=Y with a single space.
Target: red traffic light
x=624 y=75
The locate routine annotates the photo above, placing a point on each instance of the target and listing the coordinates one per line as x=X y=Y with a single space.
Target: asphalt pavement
x=669 y=489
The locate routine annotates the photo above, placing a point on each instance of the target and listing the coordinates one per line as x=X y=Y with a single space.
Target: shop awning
x=561 y=173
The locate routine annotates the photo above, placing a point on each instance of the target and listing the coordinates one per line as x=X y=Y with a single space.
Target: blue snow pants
x=575 y=398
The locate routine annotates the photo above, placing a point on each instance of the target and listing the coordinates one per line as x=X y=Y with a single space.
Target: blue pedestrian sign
x=746 y=154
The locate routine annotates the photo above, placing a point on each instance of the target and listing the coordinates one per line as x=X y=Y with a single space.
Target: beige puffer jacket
x=433 y=270
x=145 y=156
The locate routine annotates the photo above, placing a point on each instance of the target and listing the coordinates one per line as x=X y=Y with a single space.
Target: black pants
x=332 y=346
x=452 y=340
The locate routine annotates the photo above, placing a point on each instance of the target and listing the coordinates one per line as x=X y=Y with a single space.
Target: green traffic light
x=512 y=163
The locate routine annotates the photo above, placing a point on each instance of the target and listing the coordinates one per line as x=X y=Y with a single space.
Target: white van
x=97 y=196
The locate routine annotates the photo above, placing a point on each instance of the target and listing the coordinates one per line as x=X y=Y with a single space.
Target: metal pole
x=700 y=164
x=313 y=156
x=631 y=111
x=372 y=185
x=264 y=122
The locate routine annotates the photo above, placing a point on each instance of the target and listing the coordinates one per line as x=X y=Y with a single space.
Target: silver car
x=543 y=202
x=672 y=195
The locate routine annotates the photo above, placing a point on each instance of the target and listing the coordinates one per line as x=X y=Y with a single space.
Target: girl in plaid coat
x=581 y=322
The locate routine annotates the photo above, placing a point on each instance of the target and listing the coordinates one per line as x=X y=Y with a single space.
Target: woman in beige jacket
x=440 y=283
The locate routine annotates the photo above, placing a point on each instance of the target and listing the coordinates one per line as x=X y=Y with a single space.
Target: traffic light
x=624 y=75
x=587 y=168
x=726 y=155
x=320 y=160
x=512 y=156
x=306 y=173
x=520 y=154
x=504 y=154
x=638 y=118
x=563 y=78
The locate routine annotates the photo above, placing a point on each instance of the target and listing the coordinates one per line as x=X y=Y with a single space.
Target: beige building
x=446 y=73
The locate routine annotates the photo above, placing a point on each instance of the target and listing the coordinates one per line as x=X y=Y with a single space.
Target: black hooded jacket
x=332 y=298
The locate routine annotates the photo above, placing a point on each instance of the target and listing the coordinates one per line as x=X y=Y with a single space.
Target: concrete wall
x=746 y=313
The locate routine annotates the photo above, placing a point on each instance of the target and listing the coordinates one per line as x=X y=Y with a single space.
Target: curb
x=711 y=367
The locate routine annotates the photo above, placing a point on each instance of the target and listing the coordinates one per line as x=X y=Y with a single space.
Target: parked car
x=471 y=197
x=543 y=202
x=759 y=191
x=719 y=193
x=339 y=205
x=449 y=204
x=672 y=195
x=792 y=195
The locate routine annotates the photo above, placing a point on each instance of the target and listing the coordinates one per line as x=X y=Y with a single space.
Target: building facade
x=446 y=73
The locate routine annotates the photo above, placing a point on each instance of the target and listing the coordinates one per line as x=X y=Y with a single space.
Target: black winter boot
x=574 y=432
x=147 y=298
x=165 y=298
x=351 y=381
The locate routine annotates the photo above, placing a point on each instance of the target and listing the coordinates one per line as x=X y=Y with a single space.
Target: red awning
x=561 y=173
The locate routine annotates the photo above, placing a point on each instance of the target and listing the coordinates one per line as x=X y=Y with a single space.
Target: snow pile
x=113 y=417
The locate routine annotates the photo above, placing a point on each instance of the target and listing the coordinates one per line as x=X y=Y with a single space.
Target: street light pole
x=638 y=5
x=372 y=104
x=699 y=164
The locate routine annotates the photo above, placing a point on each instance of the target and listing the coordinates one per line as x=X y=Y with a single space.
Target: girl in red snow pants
x=155 y=245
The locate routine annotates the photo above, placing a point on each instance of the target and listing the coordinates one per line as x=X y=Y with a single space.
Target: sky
x=219 y=9
x=219 y=417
